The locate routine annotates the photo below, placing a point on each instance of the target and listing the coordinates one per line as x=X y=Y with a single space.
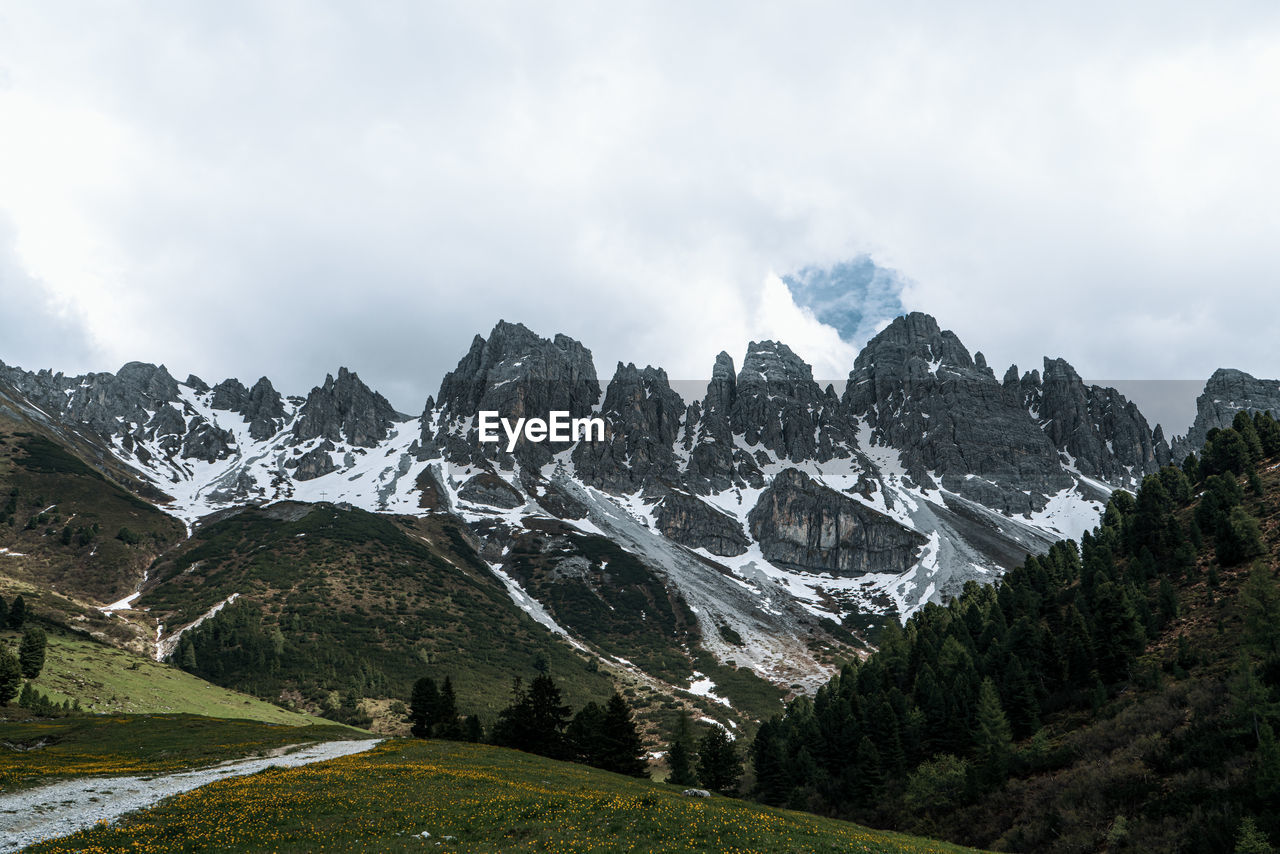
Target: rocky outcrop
x=314 y=463
x=1227 y=392
x=489 y=489
x=262 y=406
x=921 y=392
x=1104 y=433
x=517 y=374
x=803 y=525
x=642 y=418
x=709 y=432
x=692 y=522
x=344 y=410
x=778 y=405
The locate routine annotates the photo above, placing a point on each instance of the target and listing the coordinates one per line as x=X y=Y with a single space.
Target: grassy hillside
x=105 y=679
x=67 y=527
x=34 y=752
x=337 y=603
x=470 y=798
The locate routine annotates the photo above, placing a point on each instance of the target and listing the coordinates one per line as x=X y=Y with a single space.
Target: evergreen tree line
x=930 y=720
x=537 y=721
x=28 y=660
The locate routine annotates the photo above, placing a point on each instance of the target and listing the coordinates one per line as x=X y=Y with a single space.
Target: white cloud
x=283 y=188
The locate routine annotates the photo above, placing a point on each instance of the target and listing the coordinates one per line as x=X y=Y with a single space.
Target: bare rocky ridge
x=347 y=410
x=921 y=392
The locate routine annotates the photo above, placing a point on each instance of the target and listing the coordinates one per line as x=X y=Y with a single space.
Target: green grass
x=109 y=680
x=94 y=746
x=470 y=798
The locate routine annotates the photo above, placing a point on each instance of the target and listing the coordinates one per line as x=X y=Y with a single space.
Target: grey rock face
x=1225 y=393
x=206 y=442
x=710 y=431
x=264 y=410
x=488 y=488
x=920 y=391
x=125 y=404
x=801 y=524
x=517 y=374
x=229 y=395
x=642 y=420
x=779 y=406
x=692 y=522
x=1104 y=432
x=314 y=463
x=344 y=409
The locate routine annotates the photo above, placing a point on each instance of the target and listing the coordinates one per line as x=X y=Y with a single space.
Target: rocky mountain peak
x=152 y=382
x=778 y=405
x=518 y=374
x=642 y=420
x=342 y=409
x=920 y=390
x=916 y=341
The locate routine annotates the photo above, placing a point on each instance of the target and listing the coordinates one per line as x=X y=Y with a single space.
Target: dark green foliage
x=719 y=765
x=606 y=738
x=127 y=536
x=621 y=749
x=993 y=740
x=42 y=455
x=1102 y=666
x=17 y=614
x=39 y=704
x=339 y=600
x=1239 y=538
x=1251 y=840
x=535 y=721
x=10 y=676
x=680 y=752
x=31 y=652
x=1226 y=452
x=433 y=711
x=584 y=735
x=423 y=704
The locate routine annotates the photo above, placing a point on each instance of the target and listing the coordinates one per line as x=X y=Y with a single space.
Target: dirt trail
x=60 y=809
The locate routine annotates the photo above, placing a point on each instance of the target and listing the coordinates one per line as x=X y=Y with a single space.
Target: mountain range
x=773 y=520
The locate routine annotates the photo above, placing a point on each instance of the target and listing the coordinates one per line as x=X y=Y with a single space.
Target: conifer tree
x=680 y=756
x=1238 y=537
x=446 y=723
x=719 y=765
x=10 y=676
x=993 y=740
x=424 y=705
x=584 y=736
x=31 y=652
x=869 y=770
x=1251 y=840
x=17 y=613
x=621 y=749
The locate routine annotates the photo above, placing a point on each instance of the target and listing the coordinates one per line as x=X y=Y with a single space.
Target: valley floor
x=60 y=809
x=409 y=794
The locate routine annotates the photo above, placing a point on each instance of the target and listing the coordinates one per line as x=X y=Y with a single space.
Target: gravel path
x=60 y=809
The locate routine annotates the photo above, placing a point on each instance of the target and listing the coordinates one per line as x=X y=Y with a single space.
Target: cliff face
x=806 y=526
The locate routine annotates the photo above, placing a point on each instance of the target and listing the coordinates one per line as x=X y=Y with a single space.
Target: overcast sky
x=283 y=188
